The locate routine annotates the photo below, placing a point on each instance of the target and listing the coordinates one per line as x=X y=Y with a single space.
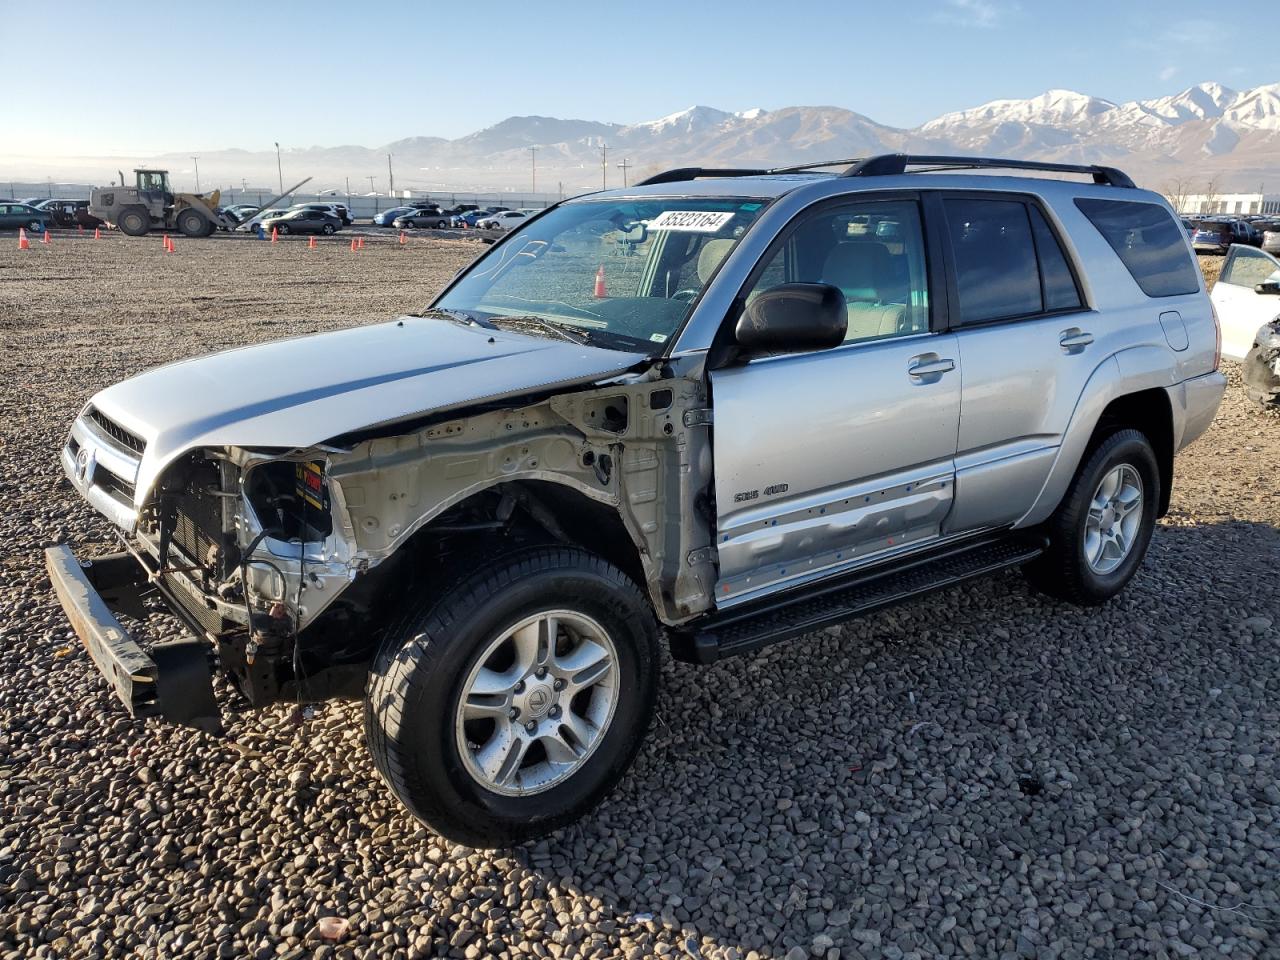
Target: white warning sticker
x=692 y=221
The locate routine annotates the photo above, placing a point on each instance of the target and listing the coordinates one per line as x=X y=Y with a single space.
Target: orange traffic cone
x=164 y=241
x=273 y=234
x=354 y=248
x=97 y=233
x=403 y=238
x=360 y=246
x=23 y=242
x=45 y=239
x=81 y=229
x=600 y=291
x=171 y=245
x=311 y=244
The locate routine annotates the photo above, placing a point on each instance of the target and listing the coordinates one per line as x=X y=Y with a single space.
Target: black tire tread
x=1056 y=572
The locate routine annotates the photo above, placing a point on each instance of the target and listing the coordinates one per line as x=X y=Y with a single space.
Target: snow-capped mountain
x=1206 y=132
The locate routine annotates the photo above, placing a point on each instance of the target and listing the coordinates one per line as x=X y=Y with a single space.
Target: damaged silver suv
x=718 y=410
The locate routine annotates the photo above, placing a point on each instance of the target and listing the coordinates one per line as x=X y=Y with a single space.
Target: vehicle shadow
x=972 y=765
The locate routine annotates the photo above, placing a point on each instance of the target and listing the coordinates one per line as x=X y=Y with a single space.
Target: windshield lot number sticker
x=691 y=221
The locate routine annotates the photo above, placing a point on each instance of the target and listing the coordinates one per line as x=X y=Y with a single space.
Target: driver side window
x=873 y=252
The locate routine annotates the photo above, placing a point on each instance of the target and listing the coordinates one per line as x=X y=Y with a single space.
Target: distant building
x=1205 y=203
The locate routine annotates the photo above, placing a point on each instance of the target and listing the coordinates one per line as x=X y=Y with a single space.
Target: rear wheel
x=193 y=223
x=1102 y=528
x=36 y=226
x=134 y=221
x=327 y=229
x=513 y=703
x=282 y=228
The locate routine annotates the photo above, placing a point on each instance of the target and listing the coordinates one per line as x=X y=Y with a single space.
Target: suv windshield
x=624 y=273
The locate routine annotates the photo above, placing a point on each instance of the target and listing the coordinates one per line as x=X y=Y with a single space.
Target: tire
x=134 y=221
x=282 y=229
x=193 y=223
x=36 y=226
x=437 y=650
x=1065 y=569
x=327 y=229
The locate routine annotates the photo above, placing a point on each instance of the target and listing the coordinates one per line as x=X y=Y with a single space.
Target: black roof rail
x=889 y=164
x=693 y=173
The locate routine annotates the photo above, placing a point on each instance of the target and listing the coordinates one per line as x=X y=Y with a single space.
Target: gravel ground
x=981 y=773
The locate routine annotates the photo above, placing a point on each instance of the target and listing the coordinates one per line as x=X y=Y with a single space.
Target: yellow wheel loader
x=151 y=205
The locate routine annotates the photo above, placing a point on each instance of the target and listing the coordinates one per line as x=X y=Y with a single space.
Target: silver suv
x=720 y=409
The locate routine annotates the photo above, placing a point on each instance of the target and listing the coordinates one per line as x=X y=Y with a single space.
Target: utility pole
x=533 y=169
x=604 y=166
x=623 y=166
x=196 y=161
x=372 y=189
x=391 y=178
x=279 y=168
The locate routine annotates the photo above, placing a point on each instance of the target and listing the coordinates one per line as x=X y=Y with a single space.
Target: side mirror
x=793 y=318
x=1269 y=287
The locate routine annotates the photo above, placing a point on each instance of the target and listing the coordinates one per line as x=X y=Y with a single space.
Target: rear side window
x=1060 y=291
x=1008 y=261
x=1148 y=242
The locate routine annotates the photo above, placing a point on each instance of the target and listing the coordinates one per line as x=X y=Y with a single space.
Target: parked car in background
x=1188 y=226
x=431 y=219
x=255 y=219
x=15 y=215
x=467 y=219
x=70 y=213
x=304 y=221
x=338 y=210
x=242 y=211
x=1246 y=297
x=1215 y=236
x=506 y=220
x=1270 y=235
x=387 y=217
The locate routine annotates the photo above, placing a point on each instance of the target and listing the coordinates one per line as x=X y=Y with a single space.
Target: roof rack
x=890 y=164
x=693 y=173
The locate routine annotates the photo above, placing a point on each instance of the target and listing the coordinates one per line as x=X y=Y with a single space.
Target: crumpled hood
x=300 y=392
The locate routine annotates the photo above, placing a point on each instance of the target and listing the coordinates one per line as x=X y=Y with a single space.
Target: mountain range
x=1207 y=136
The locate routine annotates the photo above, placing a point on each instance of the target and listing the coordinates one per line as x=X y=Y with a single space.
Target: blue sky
x=113 y=79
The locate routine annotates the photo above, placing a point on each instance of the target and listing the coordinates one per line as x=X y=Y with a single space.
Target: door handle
x=929 y=365
x=1074 y=340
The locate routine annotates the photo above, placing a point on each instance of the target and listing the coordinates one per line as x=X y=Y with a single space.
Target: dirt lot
x=982 y=773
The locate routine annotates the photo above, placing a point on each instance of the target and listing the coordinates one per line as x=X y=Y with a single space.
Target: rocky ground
x=982 y=773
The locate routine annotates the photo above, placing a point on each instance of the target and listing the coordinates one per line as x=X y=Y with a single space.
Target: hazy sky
x=135 y=78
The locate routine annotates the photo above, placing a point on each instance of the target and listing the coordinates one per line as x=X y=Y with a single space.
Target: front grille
x=122 y=490
x=126 y=439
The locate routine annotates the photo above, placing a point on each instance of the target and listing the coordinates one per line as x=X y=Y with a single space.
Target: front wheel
x=514 y=702
x=327 y=229
x=1102 y=528
x=282 y=229
x=36 y=226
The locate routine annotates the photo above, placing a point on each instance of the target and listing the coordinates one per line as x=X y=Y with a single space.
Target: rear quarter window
x=1148 y=242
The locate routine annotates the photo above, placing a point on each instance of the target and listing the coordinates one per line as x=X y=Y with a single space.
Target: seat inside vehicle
x=873 y=286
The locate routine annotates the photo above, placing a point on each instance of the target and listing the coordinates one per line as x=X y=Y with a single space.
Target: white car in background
x=504 y=220
x=1246 y=299
x=251 y=224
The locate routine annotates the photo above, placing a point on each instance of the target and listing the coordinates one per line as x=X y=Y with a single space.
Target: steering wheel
x=686 y=296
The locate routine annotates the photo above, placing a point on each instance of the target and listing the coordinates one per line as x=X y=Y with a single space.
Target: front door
x=1241 y=309
x=828 y=460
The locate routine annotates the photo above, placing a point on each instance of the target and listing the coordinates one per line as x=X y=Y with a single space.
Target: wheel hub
x=1114 y=519
x=537 y=699
x=537 y=702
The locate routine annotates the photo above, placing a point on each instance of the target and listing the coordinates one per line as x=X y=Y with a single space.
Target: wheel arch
x=1117 y=395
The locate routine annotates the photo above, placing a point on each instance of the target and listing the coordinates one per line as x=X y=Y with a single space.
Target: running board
x=827 y=602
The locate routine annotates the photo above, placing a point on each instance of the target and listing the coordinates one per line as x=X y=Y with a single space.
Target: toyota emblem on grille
x=85 y=463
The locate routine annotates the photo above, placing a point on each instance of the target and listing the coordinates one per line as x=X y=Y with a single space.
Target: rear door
x=831 y=459
x=1026 y=339
x=1241 y=309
